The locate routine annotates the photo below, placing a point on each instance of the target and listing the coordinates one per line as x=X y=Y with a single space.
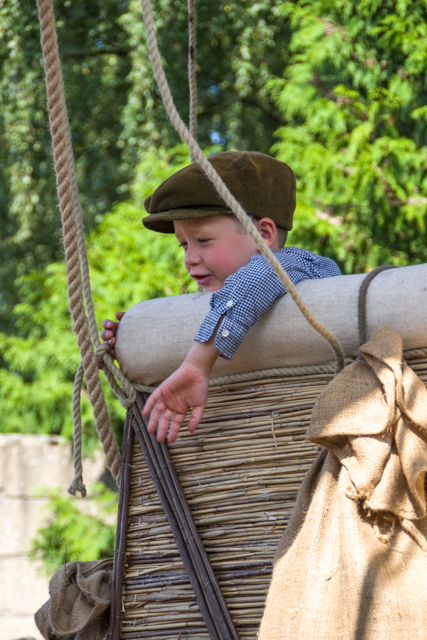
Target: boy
x=223 y=259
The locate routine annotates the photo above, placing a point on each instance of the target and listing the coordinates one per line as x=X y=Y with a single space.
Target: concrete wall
x=28 y=463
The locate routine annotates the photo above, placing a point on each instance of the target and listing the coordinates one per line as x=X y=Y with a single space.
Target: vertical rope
x=192 y=70
x=77 y=485
x=222 y=188
x=70 y=213
x=361 y=303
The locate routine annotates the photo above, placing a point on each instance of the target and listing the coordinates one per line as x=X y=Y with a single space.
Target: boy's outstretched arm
x=187 y=388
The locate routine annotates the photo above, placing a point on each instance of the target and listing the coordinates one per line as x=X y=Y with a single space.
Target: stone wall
x=29 y=465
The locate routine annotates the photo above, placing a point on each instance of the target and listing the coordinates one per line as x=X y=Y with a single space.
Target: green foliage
x=29 y=214
x=70 y=534
x=128 y=264
x=354 y=97
x=337 y=90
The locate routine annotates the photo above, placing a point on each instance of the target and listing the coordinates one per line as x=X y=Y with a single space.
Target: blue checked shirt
x=250 y=291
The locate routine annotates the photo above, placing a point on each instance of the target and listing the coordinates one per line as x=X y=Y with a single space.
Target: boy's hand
x=187 y=388
x=109 y=335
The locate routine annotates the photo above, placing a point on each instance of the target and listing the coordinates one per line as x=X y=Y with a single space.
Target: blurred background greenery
x=336 y=89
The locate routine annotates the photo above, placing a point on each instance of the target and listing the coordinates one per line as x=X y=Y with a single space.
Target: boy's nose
x=191 y=258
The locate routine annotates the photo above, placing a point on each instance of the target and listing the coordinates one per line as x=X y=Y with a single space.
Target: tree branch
x=82 y=54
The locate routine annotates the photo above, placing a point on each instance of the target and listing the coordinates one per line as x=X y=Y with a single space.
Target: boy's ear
x=268 y=230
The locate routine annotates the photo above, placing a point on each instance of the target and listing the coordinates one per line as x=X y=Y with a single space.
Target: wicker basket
x=240 y=474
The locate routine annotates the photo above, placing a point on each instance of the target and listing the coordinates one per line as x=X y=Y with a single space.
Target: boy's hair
x=264 y=186
x=282 y=236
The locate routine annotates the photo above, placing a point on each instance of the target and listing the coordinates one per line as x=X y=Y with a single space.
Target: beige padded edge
x=155 y=335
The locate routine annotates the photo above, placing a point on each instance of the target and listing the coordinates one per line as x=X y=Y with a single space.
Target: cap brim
x=163 y=221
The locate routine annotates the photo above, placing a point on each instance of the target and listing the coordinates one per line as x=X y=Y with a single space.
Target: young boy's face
x=214 y=248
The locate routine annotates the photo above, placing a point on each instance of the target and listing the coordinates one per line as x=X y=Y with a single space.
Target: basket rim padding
x=155 y=335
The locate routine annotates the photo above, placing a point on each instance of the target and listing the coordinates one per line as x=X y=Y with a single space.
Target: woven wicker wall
x=240 y=473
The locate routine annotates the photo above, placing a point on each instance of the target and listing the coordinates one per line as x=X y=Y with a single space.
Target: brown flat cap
x=264 y=186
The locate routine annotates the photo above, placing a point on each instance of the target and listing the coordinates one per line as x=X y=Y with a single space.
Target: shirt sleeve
x=250 y=291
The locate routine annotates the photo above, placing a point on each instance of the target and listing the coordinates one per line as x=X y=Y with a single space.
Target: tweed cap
x=264 y=186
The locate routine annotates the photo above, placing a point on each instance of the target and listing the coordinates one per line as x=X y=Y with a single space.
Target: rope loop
x=100 y=351
x=126 y=392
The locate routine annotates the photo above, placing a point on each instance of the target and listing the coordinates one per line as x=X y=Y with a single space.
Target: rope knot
x=77 y=486
x=128 y=401
x=126 y=393
x=100 y=353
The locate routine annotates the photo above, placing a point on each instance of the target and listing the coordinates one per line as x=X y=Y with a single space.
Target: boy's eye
x=183 y=245
x=203 y=240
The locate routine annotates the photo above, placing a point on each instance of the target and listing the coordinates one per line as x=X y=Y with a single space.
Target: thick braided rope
x=415 y=354
x=67 y=192
x=222 y=188
x=192 y=70
x=263 y=374
x=280 y=372
x=283 y=372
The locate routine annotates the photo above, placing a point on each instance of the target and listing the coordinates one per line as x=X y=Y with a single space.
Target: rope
x=414 y=532
x=361 y=304
x=409 y=354
x=415 y=354
x=192 y=70
x=126 y=393
x=223 y=190
x=263 y=374
x=77 y=485
x=288 y=372
x=72 y=232
x=281 y=372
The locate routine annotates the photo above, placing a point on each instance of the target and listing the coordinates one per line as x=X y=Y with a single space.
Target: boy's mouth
x=201 y=280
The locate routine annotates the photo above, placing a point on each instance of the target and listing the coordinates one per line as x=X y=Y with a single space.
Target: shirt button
x=225 y=333
x=229 y=304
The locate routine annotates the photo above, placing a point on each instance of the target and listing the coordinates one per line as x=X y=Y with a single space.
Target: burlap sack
x=79 y=602
x=352 y=563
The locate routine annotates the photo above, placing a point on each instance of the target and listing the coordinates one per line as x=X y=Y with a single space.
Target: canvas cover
x=352 y=563
x=155 y=335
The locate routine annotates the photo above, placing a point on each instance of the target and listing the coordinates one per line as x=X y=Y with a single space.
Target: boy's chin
x=209 y=288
